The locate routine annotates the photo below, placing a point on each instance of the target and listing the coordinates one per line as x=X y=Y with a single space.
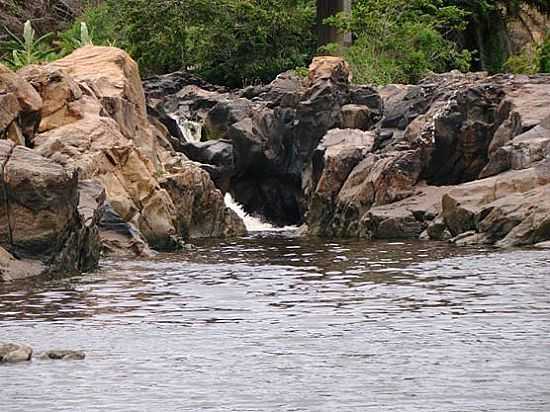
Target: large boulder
x=510 y=209
x=333 y=160
x=42 y=217
x=524 y=137
x=200 y=207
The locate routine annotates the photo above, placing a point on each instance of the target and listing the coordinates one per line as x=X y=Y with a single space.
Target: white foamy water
x=192 y=131
x=253 y=224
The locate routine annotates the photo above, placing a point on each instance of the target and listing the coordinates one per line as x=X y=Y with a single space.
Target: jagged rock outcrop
x=355 y=161
x=19 y=107
x=433 y=147
x=94 y=120
x=267 y=134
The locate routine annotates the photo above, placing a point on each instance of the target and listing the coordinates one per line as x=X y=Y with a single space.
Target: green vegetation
x=239 y=42
x=531 y=61
x=231 y=42
x=27 y=49
x=402 y=40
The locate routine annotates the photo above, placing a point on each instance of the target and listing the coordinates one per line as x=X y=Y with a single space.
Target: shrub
x=531 y=61
x=544 y=55
x=402 y=40
x=230 y=42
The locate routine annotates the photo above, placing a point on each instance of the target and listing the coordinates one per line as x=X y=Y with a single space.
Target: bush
x=531 y=61
x=231 y=42
x=402 y=40
x=544 y=55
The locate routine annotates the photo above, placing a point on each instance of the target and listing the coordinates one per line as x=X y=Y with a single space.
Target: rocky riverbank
x=84 y=170
x=460 y=157
x=91 y=164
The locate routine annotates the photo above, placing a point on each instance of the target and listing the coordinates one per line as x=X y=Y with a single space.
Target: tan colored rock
x=336 y=156
x=12 y=269
x=356 y=116
x=19 y=107
x=59 y=93
x=27 y=97
x=329 y=67
x=94 y=121
x=200 y=207
x=510 y=209
x=115 y=78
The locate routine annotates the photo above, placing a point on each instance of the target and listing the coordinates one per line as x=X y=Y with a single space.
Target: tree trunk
x=328 y=34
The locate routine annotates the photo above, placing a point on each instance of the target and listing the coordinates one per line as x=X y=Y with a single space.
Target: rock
x=200 y=207
x=14 y=352
x=159 y=87
x=41 y=218
x=333 y=160
x=283 y=91
x=95 y=121
x=385 y=223
x=62 y=355
x=215 y=157
x=543 y=245
x=523 y=138
x=511 y=209
x=458 y=218
x=19 y=108
x=437 y=230
x=225 y=113
x=325 y=68
x=121 y=238
x=358 y=117
x=12 y=269
x=116 y=82
x=470 y=238
x=59 y=93
x=375 y=181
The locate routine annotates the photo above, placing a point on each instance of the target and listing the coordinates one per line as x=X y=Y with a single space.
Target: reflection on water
x=281 y=323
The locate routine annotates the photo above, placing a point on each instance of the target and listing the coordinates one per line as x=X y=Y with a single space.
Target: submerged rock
x=14 y=352
x=61 y=355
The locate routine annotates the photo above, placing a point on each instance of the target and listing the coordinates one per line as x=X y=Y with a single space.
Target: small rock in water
x=63 y=355
x=14 y=352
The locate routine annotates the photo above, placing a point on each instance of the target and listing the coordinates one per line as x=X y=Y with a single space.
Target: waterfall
x=192 y=131
x=253 y=224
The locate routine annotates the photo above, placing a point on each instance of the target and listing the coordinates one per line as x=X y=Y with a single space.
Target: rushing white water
x=253 y=224
x=192 y=131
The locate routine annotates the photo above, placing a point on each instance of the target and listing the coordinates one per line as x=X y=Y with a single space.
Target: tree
x=328 y=33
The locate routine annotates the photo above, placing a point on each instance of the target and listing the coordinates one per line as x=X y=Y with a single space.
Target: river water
x=276 y=322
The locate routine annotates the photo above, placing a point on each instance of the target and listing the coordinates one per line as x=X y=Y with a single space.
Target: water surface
x=275 y=322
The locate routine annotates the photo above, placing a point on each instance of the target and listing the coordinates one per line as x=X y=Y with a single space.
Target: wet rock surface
x=61 y=355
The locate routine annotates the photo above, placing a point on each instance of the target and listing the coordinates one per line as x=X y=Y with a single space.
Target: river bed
x=276 y=322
